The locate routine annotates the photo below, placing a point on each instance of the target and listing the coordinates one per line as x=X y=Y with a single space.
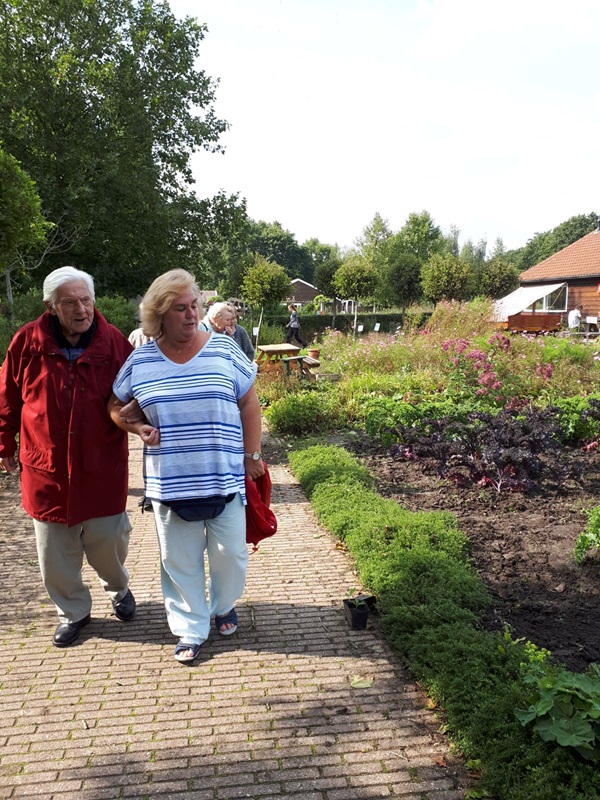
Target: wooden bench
x=305 y=365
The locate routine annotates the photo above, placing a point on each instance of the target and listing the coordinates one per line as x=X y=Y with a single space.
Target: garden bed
x=522 y=548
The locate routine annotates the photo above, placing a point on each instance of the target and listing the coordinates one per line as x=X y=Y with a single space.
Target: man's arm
x=147 y=433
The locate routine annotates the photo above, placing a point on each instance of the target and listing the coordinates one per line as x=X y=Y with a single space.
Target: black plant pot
x=357 y=614
x=370 y=600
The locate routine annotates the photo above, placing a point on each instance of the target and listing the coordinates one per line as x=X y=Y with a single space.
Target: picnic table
x=270 y=356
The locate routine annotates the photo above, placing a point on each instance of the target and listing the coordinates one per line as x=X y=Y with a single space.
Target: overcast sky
x=484 y=114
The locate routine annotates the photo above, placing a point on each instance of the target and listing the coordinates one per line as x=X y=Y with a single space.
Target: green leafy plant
x=590 y=536
x=303 y=413
x=565 y=708
x=119 y=312
x=418 y=566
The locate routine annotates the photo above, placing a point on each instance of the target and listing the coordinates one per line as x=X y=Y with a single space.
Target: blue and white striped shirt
x=194 y=406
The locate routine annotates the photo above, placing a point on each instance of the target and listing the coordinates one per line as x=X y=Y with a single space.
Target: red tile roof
x=579 y=260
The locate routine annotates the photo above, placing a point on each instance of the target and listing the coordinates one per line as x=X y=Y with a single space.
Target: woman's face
x=180 y=320
x=224 y=322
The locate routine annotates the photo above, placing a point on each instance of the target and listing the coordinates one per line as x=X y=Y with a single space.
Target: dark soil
x=522 y=546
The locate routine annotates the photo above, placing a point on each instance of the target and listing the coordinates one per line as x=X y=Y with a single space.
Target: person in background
x=293 y=327
x=137 y=337
x=54 y=386
x=222 y=318
x=574 y=318
x=202 y=436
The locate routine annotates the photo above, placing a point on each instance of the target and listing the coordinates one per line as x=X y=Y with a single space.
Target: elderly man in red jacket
x=54 y=387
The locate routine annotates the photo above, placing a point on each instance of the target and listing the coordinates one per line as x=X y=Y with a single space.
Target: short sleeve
x=123 y=382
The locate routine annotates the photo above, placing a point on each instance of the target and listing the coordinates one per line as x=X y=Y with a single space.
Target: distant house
x=302 y=292
x=556 y=285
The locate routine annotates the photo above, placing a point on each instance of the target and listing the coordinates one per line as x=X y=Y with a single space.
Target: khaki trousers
x=103 y=540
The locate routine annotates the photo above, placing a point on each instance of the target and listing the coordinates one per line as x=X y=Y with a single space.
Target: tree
x=451 y=241
x=401 y=277
x=356 y=280
x=544 y=245
x=103 y=105
x=421 y=237
x=474 y=256
x=23 y=227
x=326 y=260
x=265 y=283
x=373 y=246
x=280 y=246
x=498 y=278
x=446 y=278
x=211 y=235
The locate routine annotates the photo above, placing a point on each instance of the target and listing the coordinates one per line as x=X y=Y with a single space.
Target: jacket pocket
x=37 y=458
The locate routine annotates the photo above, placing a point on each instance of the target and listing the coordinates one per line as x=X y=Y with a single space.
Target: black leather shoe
x=125 y=609
x=68 y=632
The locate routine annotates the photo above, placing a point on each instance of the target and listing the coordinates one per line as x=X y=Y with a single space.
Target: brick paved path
x=267 y=713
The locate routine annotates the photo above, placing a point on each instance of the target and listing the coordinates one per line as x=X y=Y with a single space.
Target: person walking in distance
x=293 y=327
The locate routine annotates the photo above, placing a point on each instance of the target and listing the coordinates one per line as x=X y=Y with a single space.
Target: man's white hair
x=63 y=275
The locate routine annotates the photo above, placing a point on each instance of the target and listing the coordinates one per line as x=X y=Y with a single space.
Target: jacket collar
x=43 y=342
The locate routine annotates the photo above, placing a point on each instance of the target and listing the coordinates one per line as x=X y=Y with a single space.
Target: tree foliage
x=421 y=236
x=265 y=283
x=356 y=279
x=498 y=278
x=401 y=278
x=446 y=277
x=326 y=260
x=22 y=224
x=272 y=241
x=544 y=245
x=103 y=104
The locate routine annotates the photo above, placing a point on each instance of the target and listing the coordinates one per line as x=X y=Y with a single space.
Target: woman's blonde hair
x=159 y=298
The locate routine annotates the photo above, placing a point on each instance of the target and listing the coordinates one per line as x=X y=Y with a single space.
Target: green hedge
x=314 y=325
x=431 y=600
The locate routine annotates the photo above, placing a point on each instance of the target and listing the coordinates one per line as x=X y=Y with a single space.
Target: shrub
x=119 y=312
x=430 y=599
x=320 y=465
x=577 y=419
x=302 y=414
x=268 y=334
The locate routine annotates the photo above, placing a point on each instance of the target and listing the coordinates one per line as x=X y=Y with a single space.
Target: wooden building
x=302 y=292
x=578 y=267
x=552 y=288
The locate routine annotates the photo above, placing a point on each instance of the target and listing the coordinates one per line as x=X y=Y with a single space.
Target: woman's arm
x=147 y=433
x=251 y=426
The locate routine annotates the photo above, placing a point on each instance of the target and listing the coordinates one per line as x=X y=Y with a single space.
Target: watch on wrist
x=254 y=456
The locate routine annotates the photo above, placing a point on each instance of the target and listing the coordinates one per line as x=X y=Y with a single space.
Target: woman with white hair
x=222 y=318
x=54 y=386
x=202 y=437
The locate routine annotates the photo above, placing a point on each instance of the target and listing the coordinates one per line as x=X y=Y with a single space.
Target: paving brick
x=268 y=713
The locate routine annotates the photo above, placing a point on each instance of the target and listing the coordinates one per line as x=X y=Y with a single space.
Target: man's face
x=74 y=308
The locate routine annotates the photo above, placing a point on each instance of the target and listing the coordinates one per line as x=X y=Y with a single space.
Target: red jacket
x=73 y=458
x=261 y=522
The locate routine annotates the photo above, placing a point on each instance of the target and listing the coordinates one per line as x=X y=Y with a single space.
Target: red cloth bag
x=261 y=522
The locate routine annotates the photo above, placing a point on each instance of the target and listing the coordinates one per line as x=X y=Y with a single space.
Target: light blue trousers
x=182 y=547
x=104 y=540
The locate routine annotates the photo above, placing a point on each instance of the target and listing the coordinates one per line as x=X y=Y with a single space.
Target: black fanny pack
x=197 y=508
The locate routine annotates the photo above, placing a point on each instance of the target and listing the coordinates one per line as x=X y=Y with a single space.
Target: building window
x=556 y=301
